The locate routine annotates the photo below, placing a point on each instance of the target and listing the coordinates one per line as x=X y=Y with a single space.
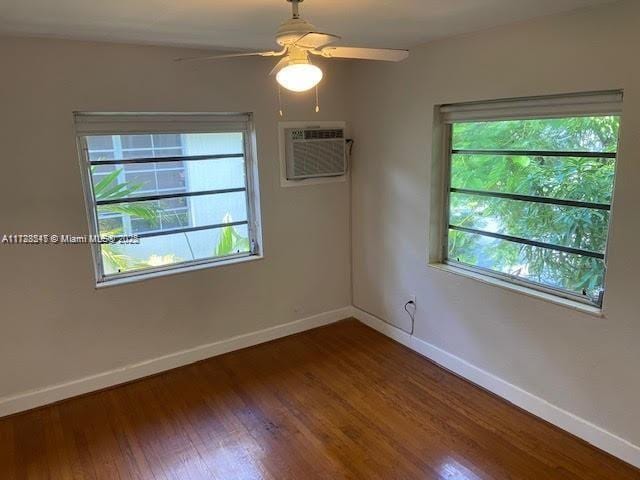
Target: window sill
x=174 y=271
x=547 y=297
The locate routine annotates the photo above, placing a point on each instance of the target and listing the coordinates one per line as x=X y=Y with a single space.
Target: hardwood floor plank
x=219 y=441
x=162 y=438
x=59 y=459
x=289 y=399
x=337 y=402
x=8 y=454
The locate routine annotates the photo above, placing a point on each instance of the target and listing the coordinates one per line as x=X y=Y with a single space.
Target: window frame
x=105 y=123
x=557 y=106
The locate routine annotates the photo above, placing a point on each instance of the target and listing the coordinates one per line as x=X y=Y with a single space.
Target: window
x=530 y=187
x=171 y=191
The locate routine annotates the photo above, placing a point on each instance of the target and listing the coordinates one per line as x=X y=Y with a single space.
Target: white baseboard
x=54 y=393
x=539 y=407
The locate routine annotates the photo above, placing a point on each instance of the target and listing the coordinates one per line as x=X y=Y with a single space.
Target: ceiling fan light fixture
x=299 y=76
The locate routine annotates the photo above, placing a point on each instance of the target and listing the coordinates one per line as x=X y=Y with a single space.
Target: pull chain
x=317 y=109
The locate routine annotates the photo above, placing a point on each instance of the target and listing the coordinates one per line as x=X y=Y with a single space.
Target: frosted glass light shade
x=299 y=77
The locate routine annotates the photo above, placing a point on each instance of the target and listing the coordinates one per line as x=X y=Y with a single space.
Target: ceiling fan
x=300 y=40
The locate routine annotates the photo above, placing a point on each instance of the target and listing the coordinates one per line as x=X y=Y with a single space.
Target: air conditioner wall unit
x=313 y=151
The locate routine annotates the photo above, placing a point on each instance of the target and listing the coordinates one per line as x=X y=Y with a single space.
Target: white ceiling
x=251 y=23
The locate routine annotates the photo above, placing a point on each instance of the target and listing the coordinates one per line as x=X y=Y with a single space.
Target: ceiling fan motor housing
x=291 y=30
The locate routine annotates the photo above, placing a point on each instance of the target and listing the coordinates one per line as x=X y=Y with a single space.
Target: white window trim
x=555 y=106
x=520 y=289
x=101 y=123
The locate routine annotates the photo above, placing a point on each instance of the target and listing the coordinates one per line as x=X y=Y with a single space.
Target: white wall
x=581 y=363
x=54 y=326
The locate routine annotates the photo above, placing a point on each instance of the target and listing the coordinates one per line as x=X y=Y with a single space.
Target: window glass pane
x=201 y=210
x=141 y=153
x=216 y=174
x=164 y=145
x=213 y=143
x=584 y=134
x=144 y=182
x=100 y=142
x=179 y=202
x=102 y=169
x=167 y=140
x=584 y=179
x=167 y=152
x=175 y=219
x=137 y=167
x=582 y=228
x=198 y=175
x=101 y=155
x=170 y=219
x=574 y=273
x=580 y=179
x=175 y=248
x=173 y=179
x=170 y=165
x=135 y=141
x=111 y=225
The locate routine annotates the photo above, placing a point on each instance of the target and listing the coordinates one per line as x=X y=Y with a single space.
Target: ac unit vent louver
x=314 y=152
x=317 y=134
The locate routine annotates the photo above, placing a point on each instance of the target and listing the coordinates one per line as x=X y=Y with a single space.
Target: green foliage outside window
x=572 y=178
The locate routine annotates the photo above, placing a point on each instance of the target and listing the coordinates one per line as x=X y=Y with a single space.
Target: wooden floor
x=337 y=402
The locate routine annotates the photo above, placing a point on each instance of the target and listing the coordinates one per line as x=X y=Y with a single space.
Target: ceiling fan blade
x=283 y=61
x=231 y=55
x=316 y=40
x=385 y=54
